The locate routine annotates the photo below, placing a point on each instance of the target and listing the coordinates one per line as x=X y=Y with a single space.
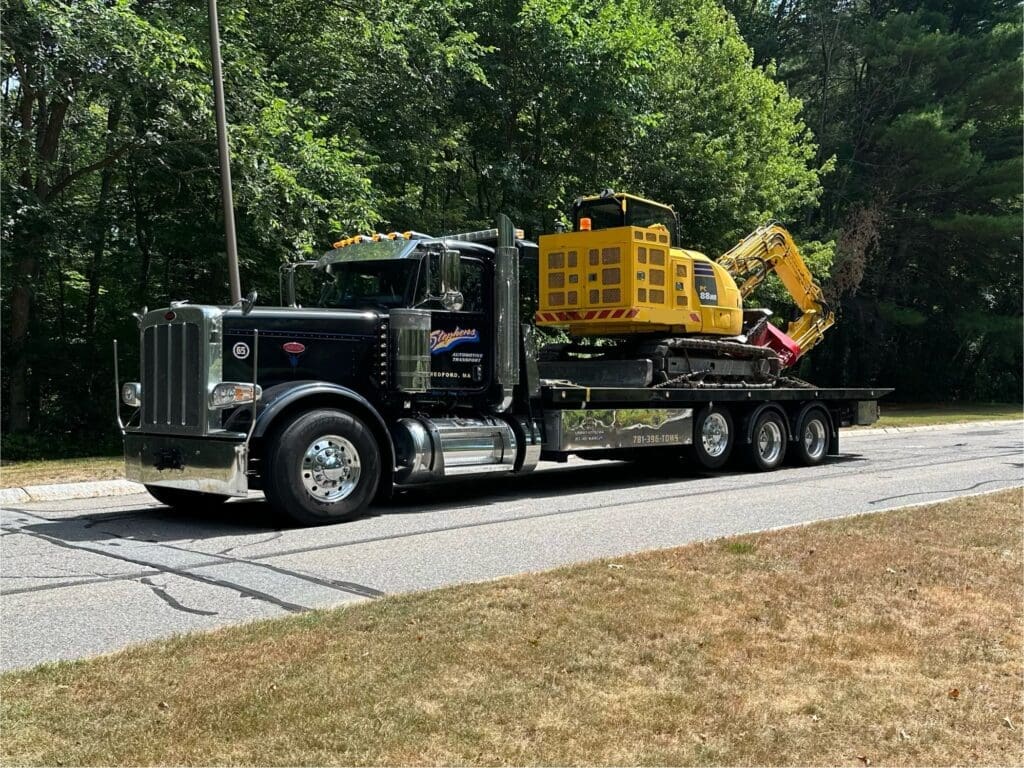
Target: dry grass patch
x=894 y=638
x=18 y=474
x=902 y=415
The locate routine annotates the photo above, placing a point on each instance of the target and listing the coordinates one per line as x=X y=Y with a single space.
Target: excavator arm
x=771 y=249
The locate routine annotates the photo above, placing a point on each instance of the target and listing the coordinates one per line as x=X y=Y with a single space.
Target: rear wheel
x=324 y=467
x=713 y=438
x=767 y=448
x=187 y=501
x=812 y=437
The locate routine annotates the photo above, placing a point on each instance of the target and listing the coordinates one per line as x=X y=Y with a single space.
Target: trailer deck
x=563 y=396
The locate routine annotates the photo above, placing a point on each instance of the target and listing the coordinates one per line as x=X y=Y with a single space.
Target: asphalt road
x=84 y=577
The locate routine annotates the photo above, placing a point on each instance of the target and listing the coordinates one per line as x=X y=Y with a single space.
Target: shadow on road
x=251 y=516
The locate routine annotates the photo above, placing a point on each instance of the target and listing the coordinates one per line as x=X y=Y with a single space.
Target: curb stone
x=67 y=491
x=97 y=488
x=928 y=427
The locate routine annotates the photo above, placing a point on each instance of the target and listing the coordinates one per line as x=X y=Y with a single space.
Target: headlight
x=131 y=394
x=228 y=394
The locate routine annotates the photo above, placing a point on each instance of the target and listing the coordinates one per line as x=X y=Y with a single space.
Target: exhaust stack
x=506 y=320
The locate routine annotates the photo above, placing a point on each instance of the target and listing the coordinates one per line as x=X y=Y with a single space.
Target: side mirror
x=451 y=280
x=249 y=302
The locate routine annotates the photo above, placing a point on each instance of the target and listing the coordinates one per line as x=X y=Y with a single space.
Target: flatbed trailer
x=630 y=409
x=568 y=396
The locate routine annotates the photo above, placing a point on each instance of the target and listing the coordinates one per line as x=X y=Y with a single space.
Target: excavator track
x=687 y=362
x=732 y=349
x=701 y=362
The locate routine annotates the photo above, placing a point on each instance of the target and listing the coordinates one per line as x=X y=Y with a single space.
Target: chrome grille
x=172 y=376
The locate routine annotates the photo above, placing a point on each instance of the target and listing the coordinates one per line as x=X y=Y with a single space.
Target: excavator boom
x=771 y=249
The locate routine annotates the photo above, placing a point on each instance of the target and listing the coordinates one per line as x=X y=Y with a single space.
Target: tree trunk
x=100 y=243
x=49 y=123
x=142 y=238
x=21 y=314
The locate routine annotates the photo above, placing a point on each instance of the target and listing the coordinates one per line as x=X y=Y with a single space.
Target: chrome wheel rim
x=714 y=435
x=330 y=468
x=814 y=438
x=769 y=442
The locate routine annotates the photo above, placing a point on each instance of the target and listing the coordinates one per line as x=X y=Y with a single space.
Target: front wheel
x=713 y=438
x=324 y=467
x=187 y=501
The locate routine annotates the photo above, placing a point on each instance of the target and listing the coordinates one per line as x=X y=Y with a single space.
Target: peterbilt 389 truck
x=411 y=364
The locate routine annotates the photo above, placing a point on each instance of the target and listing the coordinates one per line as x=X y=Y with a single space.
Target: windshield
x=370 y=284
x=606 y=213
x=603 y=214
x=644 y=215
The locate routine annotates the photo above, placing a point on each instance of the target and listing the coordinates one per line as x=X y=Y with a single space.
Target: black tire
x=813 y=433
x=323 y=467
x=187 y=501
x=713 y=438
x=767 y=448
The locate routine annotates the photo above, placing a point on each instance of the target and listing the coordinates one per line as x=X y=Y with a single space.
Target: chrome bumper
x=204 y=464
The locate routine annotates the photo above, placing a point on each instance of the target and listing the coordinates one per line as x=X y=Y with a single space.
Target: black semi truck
x=412 y=366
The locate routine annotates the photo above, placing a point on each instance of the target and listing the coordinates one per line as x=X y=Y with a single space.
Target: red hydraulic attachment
x=778 y=341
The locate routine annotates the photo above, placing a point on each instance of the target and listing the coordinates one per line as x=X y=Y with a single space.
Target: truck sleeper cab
x=414 y=368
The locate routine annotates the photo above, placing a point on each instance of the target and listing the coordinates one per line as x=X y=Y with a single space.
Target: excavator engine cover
x=626 y=280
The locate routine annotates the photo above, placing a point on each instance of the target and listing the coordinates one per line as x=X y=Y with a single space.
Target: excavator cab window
x=609 y=211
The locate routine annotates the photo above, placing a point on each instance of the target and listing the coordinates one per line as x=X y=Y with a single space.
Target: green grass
x=739 y=547
x=914 y=415
x=884 y=639
x=18 y=474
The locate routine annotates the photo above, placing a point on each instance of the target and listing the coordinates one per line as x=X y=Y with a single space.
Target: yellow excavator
x=621 y=273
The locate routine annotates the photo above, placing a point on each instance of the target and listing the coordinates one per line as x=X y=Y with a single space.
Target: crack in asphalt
x=78 y=582
x=273 y=537
x=931 y=493
x=162 y=593
x=211 y=580
x=359 y=590
x=352 y=588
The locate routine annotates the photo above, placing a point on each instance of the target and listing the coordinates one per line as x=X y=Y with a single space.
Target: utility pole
x=225 y=157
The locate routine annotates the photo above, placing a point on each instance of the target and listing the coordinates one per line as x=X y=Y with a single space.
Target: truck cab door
x=460 y=340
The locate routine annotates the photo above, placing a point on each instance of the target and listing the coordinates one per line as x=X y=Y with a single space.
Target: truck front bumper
x=203 y=464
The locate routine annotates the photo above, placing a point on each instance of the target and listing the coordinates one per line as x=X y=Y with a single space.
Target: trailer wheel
x=179 y=498
x=767 y=448
x=324 y=467
x=812 y=435
x=713 y=438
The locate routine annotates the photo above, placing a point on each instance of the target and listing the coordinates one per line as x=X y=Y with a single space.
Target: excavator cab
x=611 y=209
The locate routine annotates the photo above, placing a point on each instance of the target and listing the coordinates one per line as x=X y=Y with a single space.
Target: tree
x=432 y=115
x=920 y=103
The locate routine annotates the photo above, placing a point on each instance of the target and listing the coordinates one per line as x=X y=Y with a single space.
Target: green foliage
x=920 y=104
x=439 y=114
x=818 y=257
x=731 y=150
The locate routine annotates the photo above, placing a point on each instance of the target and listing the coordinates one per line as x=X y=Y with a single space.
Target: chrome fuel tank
x=431 y=449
